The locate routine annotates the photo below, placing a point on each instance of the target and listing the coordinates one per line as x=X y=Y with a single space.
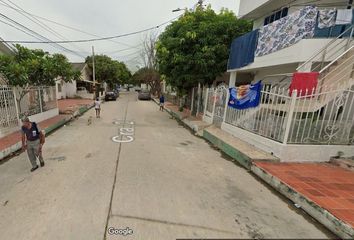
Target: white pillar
x=226 y=105
x=289 y=117
x=232 y=81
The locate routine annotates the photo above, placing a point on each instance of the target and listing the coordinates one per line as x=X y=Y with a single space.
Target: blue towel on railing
x=242 y=50
x=246 y=96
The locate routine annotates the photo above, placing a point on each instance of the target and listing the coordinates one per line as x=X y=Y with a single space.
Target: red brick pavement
x=71 y=105
x=329 y=186
x=15 y=137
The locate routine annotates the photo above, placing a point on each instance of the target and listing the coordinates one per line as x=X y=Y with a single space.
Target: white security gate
x=8 y=110
x=220 y=99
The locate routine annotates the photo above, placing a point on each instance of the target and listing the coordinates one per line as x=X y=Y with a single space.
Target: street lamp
x=180 y=9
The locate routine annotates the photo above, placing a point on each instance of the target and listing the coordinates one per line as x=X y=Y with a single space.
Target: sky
x=102 y=18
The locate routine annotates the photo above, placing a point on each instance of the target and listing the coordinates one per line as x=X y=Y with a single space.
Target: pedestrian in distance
x=162 y=102
x=32 y=141
x=98 y=108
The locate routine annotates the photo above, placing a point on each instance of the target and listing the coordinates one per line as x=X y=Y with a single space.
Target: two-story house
x=302 y=51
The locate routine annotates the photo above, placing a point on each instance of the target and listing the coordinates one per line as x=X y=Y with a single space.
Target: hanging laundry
x=305 y=83
x=245 y=96
x=287 y=31
x=344 y=16
x=327 y=18
x=242 y=50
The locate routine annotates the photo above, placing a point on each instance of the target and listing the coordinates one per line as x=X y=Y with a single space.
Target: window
x=276 y=16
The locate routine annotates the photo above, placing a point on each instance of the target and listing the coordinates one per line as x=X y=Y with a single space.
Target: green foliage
x=110 y=71
x=195 y=49
x=150 y=77
x=35 y=67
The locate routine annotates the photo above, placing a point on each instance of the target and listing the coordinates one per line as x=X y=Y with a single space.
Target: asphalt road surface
x=156 y=181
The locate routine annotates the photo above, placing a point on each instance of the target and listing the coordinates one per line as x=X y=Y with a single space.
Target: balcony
x=297 y=51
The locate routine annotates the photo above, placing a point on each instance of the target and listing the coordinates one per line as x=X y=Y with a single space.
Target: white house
x=304 y=46
x=286 y=60
x=74 y=88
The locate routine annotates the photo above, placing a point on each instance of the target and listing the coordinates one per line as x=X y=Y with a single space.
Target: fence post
x=192 y=102
x=226 y=105
x=290 y=116
x=206 y=101
x=199 y=97
x=16 y=106
x=214 y=103
x=40 y=99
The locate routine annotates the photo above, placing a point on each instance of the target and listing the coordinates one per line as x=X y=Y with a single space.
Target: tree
x=148 y=76
x=30 y=67
x=110 y=71
x=195 y=48
x=149 y=73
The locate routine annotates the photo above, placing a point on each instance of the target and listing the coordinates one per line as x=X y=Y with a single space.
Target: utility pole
x=94 y=73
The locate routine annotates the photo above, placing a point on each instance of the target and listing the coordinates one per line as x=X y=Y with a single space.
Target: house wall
x=257 y=10
x=70 y=89
x=295 y=54
x=85 y=74
x=247 y=6
x=290 y=153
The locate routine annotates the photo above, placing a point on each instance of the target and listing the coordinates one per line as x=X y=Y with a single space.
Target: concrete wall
x=247 y=6
x=295 y=54
x=44 y=115
x=289 y=153
x=258 y=10
x=70 y=89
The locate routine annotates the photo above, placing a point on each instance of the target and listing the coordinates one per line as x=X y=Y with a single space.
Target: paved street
x=165 y=184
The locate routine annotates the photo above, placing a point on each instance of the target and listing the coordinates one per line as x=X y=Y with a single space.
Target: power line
x=39 y=36
x=96 y=39
x=69 y=27
x=19 y=29
x=36 y=21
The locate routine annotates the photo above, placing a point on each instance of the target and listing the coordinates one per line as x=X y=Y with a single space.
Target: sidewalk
x=72 y=107
x=12 y=143
x=323 y=190
x=196 y=124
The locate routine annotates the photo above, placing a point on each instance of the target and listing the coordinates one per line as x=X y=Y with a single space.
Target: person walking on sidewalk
x=32 y=140
x=162 y=102
x=98 y=108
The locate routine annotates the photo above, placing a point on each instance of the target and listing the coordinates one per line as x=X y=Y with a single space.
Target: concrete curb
x=231 y=151
x=195 y=128
x=17 y=146
x=337 y=226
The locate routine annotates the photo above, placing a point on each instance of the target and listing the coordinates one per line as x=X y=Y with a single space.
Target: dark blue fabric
x=32 y=134
x=249 y=98
x=243 y=50
x=332 y=32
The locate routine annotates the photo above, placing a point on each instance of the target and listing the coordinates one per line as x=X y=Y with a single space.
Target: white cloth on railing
x=327 y=18
x=344 y=16
x=287 y=31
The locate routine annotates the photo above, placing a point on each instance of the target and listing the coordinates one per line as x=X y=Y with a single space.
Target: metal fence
x=303 y=118
x=36 y=100
x=16 y=103
x=8 y=111
x=210 y=95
